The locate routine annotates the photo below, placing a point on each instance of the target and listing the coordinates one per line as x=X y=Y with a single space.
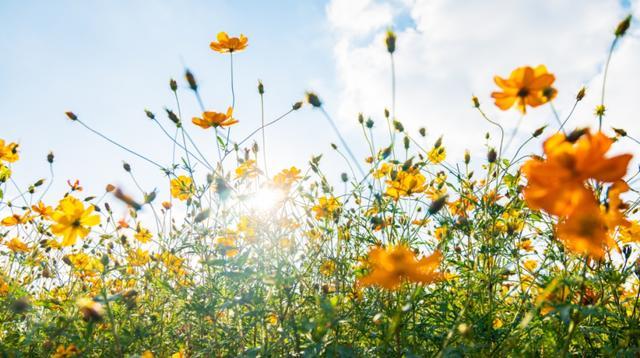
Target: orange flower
x=229 y=44
x=556 y=184
x=16 y=219
x=43 y=210
x=394 y=264
x=215 y=119
x=406 y=183
x=17 y=245
x=585 y=231
x=525 y=86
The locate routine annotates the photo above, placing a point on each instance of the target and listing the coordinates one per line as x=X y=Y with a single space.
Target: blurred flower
x=327 y=267
x=525 y=86
x=394 y=264
x=17 y=245
x=91 y=310
x=327 y=207
x=143 y=235
x=406 y=183
x=248 y=169
x=43 y=210
x=72 y=220
x=16 y=219
x=287 y=177
x=585 y=231
x=226 y=44
x=182 y=187
x=65 y=352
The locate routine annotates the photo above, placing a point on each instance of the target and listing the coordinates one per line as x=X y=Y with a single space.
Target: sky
x=107 y=61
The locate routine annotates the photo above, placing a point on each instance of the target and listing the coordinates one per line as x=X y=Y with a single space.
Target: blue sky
x=109 y=60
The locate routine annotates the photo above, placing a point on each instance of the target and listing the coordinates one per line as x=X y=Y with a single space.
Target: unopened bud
x=390 y=40
x=626 y=251
x=492 y=156
x=538 y=131
x=296 y=106
x=475 y=101
x=127 y=167
x=173 y=85
x=344 y=177
x=369 y=123
x=173 y=117
x=313 y=99
x=50 y=157
x=149 y=114
x=191 y=80
x=581 y=94
x=467 y=157
x=422 y=131
x=110 y=188
x=406 y=142
x=72 y=116
x=398 y=126
x=623 y=26
x=437 y=204
x=360 y=118
x=260 y=87
x=621 y=132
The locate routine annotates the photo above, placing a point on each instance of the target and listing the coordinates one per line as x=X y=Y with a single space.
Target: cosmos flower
x=215 y=119
x=72 y=220
x=525 y=86
x=226 y=44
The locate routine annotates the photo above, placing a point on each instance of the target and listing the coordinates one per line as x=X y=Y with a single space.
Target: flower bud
x=173 y=85
x=260 y=88
x=406 y=142
x=538 y=132
x=475 y=101
x=72 y=116
x=492 y=156
x=191 y=80
x=360 y=118
x=422 y=131
x=313 y=99
x=581 y=94
x=173 y=117
x=390 y=40
x=626 y=251
x=398 y=126
x=149 y=114
x=369 y=123
x=110 y=188
x=50 y=157
x=437 y=204
x=127 y=167
x=623 y=26
x=296 y=106
x=344 y=177
x=619 y=131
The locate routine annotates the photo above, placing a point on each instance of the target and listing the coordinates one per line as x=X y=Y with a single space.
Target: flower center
x=523 y=92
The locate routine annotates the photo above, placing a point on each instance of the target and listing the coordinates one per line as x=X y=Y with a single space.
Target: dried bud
x=71 y=116
x=398 y=126
x=386 y=113
x=492 y=156
x=191 y=80
x=296 y=106
x=390 y=40
x=173 y=85
x=260 y=88
x=313 y=99
x=437 y=204
x=623 y=26
x=475 y=101
x=110 y=188
x=581 y=94
x=149 y=114
x=173 y=117
x=538 y=131
x=619 y=131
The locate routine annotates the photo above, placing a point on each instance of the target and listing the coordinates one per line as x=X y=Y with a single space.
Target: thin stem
x=604 y=79
x=264 y=140
x=119 y=145
x=344 y=143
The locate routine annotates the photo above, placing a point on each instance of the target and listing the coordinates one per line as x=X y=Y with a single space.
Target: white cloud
x=452 y=49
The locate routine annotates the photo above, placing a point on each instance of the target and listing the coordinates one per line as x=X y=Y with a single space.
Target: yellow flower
x=66 y=352
x=16 y=219
x=73 y=220
x=229 y=44
x=43 y=210
x=530 y=265
x=179 y=354
x=138 y=257
x=215 y=119
x=327 y=207
x=406 y=183
x=143 y=235
x=16 y=245
x=525 y=86
x=8 y=152
x=384 y=170
x=147 y=354
x=287 y=177
x=392 y=265
x=182 y=187
x=328 y=267
x=437 y=155
x=227 y=245
x=85 y=264
x=247 y=169
x=497 y=323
